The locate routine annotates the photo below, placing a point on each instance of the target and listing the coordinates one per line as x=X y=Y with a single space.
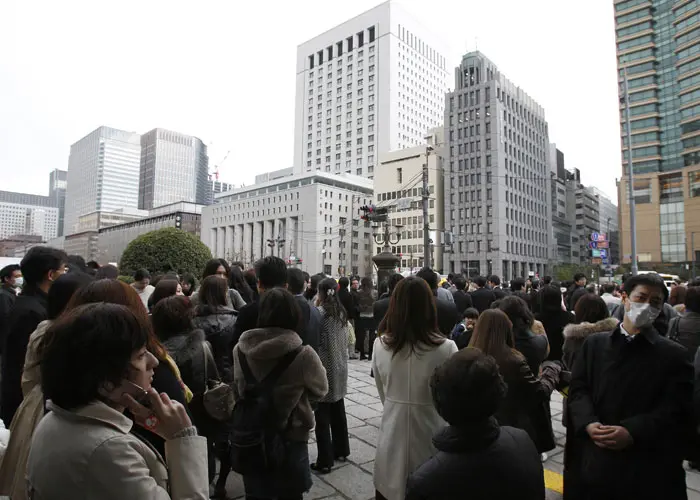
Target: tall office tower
x=658 y=43
x=57 y=192
x=371 y=85
x=103 y=174
x=565 y=241
x=174 y=167
x=23 y=214
x=496 y=175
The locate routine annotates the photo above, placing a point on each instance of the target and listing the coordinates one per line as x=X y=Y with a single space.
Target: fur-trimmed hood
x=583 y=330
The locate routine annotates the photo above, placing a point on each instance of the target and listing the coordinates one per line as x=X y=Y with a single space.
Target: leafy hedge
x=163 y=250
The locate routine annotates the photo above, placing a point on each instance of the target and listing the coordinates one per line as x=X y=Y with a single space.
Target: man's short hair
x=517 y=284
x=470 y=313
x=692 y=299
x=344 y=282
x=648 y=279
x=271 y=272
x=7 y=271
x=579 y=276
x=295 y=281
x=467 y=387
x=141 y=275
x=495 y=280
x=393 y=280
x=460 y=282
x=546 y=280
x=429 y=276
x=76 y=263
x=38 y=262
x=608 y=288
x=480 y=281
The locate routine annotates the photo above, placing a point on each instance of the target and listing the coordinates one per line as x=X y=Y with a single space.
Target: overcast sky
x=225 y=72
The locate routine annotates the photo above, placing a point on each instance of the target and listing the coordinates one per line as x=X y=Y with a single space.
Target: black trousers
x=332 y=439
x=297 y=497
x=365 y=326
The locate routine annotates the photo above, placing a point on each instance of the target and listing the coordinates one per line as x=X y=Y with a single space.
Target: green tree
x=164 y=250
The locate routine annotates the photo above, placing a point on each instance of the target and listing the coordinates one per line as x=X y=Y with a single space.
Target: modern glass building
x=174 y=167
x=658 y=46
x=57 y=192
x=103 y=174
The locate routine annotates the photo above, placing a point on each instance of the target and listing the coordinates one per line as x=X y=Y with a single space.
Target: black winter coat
x=447 y=316
x=219 y=326
x=188 y=351
x=575 y=293
x=463 y=300
x=7 y=301
x=349 y=303
x=644 y=384
x=533 y=347
x=482 y=298
x=500 y=293
x=29 y=310
x=481 y=461
x=526 y=405
x=554 y=323
x=381 y=307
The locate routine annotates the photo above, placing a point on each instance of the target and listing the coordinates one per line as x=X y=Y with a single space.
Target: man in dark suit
x=494 y=282
x=630 y=413
x=447 y=313
x=309 y=330
x=272 y=273
x=482 y=297
x=463 y=300
x=40 y=268
x=381 y=306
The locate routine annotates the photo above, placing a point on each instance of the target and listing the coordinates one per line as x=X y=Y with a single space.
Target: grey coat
x=333 y=351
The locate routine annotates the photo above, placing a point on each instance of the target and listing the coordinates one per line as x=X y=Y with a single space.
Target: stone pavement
x=352 y=480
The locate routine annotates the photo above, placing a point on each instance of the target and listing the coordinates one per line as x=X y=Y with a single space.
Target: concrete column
x=229 y=242
x=247 y=250
x=212 y=240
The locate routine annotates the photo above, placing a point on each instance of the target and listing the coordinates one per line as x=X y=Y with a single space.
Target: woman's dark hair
x=493 y=334
x=252 y=281
x=692 y=299
x=677 y=296
x=467 y=387
x=237 y=282
x=62 y=291
x=312 y=290
x=518 y=312
x=366 y=283
x=328 y=298
x=189 y=279
x=383 y=287
x=527 y=298
x=117 y=292
x=213 y=292
x=212 y=266
x=411 y=320
x=167 y=287
x=171 y=316
x=108 y=272
x=550 y=299
x=87 y=347
x=279 y=309
x=344 y=282
x=590 y=308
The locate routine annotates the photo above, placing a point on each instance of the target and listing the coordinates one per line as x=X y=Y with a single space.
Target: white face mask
x=19 y=282
x=642 y=314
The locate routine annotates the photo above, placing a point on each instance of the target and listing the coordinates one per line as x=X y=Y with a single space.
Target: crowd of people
x=161 y=387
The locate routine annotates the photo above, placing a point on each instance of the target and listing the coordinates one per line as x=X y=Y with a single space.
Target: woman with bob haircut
x=167 y=377
x=406 y=354
x=96 y=364
x=526 y=406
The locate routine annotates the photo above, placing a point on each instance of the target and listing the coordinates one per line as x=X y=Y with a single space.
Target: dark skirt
x=294 y=478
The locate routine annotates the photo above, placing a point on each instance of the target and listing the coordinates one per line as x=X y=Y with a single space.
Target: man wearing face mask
x=629 y=407
x=10 y=285
x=40 y=267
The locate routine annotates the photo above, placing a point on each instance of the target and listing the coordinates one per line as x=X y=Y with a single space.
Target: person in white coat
x=93 y=360
x=407 y=352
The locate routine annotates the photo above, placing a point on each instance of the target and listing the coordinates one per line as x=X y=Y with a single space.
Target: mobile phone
x=135 y=391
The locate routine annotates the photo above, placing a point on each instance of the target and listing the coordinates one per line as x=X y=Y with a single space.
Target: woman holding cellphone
x=95 y=365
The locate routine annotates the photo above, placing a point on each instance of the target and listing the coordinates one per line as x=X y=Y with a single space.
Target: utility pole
x=426 y=217
x=630 y=180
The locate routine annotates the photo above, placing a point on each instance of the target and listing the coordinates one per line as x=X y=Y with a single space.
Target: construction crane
x=215 y=173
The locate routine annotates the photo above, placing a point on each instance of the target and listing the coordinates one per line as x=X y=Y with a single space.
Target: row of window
x=357 y=40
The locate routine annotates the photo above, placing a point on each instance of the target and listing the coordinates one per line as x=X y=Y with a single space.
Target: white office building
x=103 y=174
x=371 y=85
x=310 y=220
x=27 y=214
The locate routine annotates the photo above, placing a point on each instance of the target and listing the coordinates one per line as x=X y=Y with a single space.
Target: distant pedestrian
x=474 y=450
x=381 y=306
x=10 y=285
x=365 y=328
x=609 y=297
x=494 y=283
x=462 y=333
x=577 y=290
x=553 y=319
x=482 y=297
x=405 y=356
x=534 y=347
x=142 y=285
x=462 y=299
x=447 y=314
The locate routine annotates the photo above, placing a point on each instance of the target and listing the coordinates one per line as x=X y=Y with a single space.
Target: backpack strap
x=674 y=329
x=274 y=374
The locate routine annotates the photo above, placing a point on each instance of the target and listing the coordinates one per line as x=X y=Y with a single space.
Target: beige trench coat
x=90 y=454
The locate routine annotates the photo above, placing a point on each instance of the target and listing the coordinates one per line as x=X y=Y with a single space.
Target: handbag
x=351 y=334
x=218 y=398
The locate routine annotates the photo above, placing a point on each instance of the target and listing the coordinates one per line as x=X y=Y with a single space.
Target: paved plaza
x=352 y=480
